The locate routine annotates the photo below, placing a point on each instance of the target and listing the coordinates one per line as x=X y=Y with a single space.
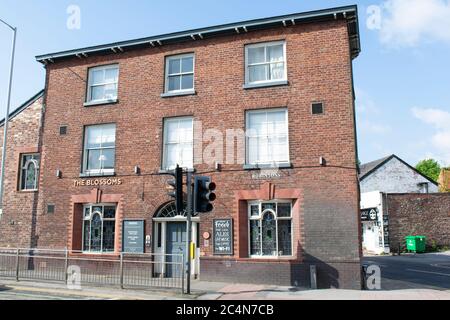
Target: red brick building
x=18 y=218
x=118 y=115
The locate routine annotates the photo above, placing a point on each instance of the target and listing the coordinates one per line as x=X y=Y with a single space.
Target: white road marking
x=440 y=266
x=430 y=272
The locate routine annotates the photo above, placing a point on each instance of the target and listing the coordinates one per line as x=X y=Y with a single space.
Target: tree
x=429 y=168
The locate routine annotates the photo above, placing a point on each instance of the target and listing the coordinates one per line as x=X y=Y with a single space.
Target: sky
x=402 y=77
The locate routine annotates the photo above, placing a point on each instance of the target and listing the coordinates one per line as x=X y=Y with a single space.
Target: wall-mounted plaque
x=223 y=236
x=369 y=214
x=133 y=236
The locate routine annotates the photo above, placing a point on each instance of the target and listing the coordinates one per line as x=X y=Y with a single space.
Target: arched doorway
x=170 y=238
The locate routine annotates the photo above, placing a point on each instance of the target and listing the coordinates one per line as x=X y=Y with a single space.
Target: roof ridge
x=23 y=106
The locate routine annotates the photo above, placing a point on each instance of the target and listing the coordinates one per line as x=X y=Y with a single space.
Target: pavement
x=408 y=277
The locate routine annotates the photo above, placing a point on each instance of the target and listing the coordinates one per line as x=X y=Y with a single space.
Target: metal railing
x=76 y=268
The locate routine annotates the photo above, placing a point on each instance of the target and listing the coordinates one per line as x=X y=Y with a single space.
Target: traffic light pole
x=189 y=230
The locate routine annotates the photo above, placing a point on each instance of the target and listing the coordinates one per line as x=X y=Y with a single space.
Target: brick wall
x=18 y=223
x=326 y=225
x=419 y=214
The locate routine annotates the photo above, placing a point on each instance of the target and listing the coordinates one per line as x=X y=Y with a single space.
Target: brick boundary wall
x=338 y=275
x=419 y=214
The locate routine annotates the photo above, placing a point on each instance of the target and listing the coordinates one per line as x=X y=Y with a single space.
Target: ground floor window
x=99 y=227
x=270 y=228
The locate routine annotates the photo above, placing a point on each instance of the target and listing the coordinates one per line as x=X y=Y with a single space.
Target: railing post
x=182 y=274
x=121 y=270
x=17 y=264
x=66 y=265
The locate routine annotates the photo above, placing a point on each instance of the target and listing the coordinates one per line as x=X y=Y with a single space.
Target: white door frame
x=162 y=222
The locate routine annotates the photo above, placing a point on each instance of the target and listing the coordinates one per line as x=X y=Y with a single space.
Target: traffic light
x=177 y=188
x=203 y=194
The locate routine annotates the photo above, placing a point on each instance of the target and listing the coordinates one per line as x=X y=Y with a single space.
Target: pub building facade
x=118 y=116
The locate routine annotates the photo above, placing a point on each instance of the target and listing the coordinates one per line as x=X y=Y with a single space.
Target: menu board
x=223 y=236
x=133 y=236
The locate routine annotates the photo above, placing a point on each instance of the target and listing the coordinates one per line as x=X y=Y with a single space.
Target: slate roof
x=23 y=106
x=368 y=168
x=350 y=13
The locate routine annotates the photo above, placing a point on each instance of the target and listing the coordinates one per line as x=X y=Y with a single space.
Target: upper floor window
x=267 y=137
x=99 y=149
x=179 y=73
x=265 y=63
x=178 y=143
x=103 y=84
x=270 y=228
x=29 y=172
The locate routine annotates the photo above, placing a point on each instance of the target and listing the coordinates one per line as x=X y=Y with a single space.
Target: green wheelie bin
x=416 y=244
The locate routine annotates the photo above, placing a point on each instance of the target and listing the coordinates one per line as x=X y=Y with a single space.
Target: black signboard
x=370 y=214
x=133 y=236
x=386 y=230
x=223 y=236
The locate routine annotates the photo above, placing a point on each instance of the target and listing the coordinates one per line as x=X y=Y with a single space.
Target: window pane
x=255 y=237
x=284 y=237
x=98 y=93
x=256 y=55
x=87 y=212
x=174 y=66
x=94 y=137
x=171 y=156
x=174 y=83
x=279 y=149
x=186 y=155
x=101 y=136
x=108 y=235
x=185 y=130
x=109 y=213
x=263 y=150
x=23 y=183
x=187 y=64
x=258 y=73
x=108 y=136
x=187 y=82
x=93 y=160
x=96 y=233
x=257 y=122
x=30 y=182
x=269 y=246
x=254 y=210
x=97 y=76
x=252 y=150
x=110 y=91
x=178 y=140
x=25 y=159
x=275 y=53
x=277 y=71
x=107 y=159
x=277 y=122
x=268 y=206
x=111 y=74
x=87 y=232
x=284 y=210
x=97 y=209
